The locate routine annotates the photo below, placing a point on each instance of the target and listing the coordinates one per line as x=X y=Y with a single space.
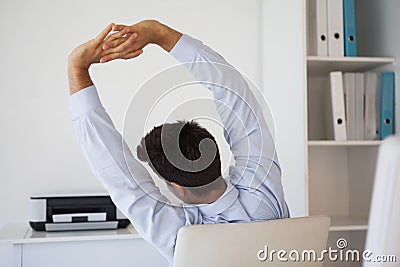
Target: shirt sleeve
x=127 y=181
x=245 y=130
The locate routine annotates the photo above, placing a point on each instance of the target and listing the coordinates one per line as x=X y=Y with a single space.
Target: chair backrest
x=383 y=235
x=251 y=244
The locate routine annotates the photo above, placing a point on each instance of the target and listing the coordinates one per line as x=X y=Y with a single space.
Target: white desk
x=20 y=246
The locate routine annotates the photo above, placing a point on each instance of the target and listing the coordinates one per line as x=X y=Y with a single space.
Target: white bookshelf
x=323 y=65
x=323 y=176
x=344 y=143
x=348 y=223
x=340 y=174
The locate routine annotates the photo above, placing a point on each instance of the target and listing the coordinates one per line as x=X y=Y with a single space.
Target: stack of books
x=360 y=106
x=332 y=28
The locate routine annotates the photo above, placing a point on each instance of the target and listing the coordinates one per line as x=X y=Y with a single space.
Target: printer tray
x=53 y=227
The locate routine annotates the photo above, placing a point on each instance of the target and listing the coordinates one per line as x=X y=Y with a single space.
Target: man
x=252 y=192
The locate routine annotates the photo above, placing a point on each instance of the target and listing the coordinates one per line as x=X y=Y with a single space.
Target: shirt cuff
x=185 y=49
x=84 y=101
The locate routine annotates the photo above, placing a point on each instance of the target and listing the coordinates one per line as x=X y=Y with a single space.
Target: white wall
x=284 y=71
x=39 y=153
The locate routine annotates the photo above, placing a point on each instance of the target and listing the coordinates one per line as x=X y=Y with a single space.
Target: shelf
x=323 y=65
x=345 y=223
x=344 y=143
x=22 y=233
x=44 y=237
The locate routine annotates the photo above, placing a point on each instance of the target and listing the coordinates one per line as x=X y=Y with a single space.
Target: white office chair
x=383 y=236
x=244 y=244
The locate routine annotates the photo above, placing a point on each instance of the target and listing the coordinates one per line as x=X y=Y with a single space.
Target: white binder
x=336 y=121
x=372 y=106
x=350 y=99
x=335 y=28
x=317 y=28
x=359 y=84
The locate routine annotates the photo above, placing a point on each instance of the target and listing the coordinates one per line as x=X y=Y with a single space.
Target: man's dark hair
x=190 y=133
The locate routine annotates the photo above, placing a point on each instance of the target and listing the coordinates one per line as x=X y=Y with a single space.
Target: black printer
x=68 y=213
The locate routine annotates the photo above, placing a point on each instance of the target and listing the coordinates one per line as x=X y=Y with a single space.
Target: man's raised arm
x=126 y=180
x=257 y=169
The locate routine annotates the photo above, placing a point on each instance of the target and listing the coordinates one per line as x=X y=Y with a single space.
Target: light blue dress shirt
x=254 y=192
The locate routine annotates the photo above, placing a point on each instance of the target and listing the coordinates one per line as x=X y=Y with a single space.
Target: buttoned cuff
x=185 y=49
x=84 y=101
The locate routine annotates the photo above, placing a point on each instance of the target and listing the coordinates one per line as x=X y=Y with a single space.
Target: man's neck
x=215 y=190
x=216 y=194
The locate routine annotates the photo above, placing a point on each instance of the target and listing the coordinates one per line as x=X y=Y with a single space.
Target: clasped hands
x=116 y=42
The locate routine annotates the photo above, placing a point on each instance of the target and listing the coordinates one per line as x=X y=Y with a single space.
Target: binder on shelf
x=349 y=28
x=350 y=107
x=335 y=28
x=372 y=106
x=387 y=104
x=336 y=121
x=317 y=28
x=359 y=103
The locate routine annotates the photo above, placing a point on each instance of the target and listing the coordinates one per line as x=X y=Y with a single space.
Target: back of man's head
x=159 y=148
